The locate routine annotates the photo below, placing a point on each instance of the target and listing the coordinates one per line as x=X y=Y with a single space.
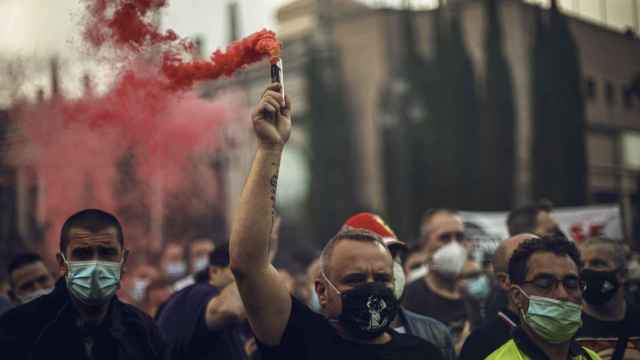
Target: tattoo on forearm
x=274 y=187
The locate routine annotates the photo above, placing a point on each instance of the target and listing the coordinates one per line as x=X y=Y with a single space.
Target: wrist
x=274 y=149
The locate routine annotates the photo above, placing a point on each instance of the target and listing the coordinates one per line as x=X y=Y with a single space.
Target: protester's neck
x=442 y=286
x=91 y=314
x=613 y=310
x=553 y=351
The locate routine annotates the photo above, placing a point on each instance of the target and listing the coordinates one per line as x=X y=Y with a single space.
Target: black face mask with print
x=368 y=310
x=598 y=287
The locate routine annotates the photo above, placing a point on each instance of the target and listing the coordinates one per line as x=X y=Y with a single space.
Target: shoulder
x=197 y=290
x=304 y=325
x=132 y=313
x=136 y=322
x=301 y=314
x=138 y=329
x=423 y=319
x=480 y=335
x=191 y=298
x=508 y=351
x=134 y=319
x=486 y=339
x=33 y=314
x=437 y=330
x=591 y=353
x=414 y=344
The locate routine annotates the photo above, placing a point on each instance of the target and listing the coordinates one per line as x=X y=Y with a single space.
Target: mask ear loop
x=66 y=262
x=330 y=283
x=522 y=313
x=331 y=320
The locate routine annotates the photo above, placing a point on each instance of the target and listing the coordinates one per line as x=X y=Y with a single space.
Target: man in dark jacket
x=82 y=318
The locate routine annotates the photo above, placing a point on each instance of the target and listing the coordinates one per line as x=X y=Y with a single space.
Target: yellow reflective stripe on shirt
x=510 y=351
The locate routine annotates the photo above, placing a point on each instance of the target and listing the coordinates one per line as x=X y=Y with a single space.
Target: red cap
x=374 y=223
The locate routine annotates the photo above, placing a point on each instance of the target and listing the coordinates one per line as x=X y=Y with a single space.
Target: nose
x=561 y=293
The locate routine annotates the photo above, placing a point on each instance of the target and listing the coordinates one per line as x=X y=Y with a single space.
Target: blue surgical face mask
x=176 y=270
x=315 y=301
x=93 y=282
x=479 y=288
x=200 y=263
x=553 y=320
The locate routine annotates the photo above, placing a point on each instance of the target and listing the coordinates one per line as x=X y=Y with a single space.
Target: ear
x=503 y=281
x=321 y=289
x=212 y=271
x=519 y=300
x=62 y=266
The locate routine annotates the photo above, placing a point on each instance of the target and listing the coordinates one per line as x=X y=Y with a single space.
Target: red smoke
x=129 y=27
x=238 y=55
x=149 y=117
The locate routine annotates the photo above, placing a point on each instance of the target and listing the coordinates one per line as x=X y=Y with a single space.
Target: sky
x=37 y=29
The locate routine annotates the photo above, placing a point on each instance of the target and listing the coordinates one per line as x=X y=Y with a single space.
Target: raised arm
x=266 y=299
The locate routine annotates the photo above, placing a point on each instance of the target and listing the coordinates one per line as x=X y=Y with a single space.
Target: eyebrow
x=353 y=273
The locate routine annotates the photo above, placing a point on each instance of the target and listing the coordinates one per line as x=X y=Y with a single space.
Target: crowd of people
x=367 y=295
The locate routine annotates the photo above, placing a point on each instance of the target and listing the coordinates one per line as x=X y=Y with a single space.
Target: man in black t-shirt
x=356 y=286
x=607 y=320
x=437 y=294
x=421 y=299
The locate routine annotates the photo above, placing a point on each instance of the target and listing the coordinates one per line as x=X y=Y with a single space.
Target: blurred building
x=376 y=57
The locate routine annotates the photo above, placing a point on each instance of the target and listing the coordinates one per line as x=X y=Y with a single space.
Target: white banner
x=578 y=223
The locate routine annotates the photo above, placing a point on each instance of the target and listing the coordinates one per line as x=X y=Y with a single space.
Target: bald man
x=497 y=331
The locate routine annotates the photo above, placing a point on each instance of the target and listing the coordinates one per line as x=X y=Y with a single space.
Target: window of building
x=590 y=88
x=631 y=150
x=609 y=93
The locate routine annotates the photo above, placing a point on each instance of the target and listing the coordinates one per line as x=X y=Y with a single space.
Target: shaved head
x=503 y=255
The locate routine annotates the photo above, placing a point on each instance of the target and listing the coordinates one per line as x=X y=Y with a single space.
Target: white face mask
x=138 y=289
x=200 y=263
x=25 y=298
x=449 y=259
x=175 y=270
x=399 y=279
